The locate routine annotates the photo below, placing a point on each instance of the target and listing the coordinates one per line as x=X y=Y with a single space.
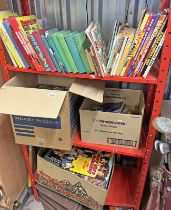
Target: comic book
x=93 y=166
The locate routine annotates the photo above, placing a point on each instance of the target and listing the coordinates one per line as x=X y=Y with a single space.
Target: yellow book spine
x=139 y=35
x=90 y=60
x=10 y=46
x=124 y=55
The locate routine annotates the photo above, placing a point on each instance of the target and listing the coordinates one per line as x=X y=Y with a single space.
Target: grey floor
x=31 y=204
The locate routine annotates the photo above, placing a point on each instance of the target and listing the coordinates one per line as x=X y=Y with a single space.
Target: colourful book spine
x=135 y=44
x=74 y=51
x=39 y=52
x=154 y=53
x=81 y=43
x=26 y=45
x=159 y=27
x=60 y=52
x=147 y=30
x=60 y=37
x=37 y=35
x=10 y=35
x=50 y=51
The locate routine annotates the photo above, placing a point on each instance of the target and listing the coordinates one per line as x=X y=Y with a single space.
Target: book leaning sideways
x=15 y=55
x=93 y=166
x=22 y=29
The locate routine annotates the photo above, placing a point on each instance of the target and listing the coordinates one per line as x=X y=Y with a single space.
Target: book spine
x=26 y=45
x=141 y=71
x=149 y=26
x=10 y=46
x=11 y=38
x=74 y=52
x=12 y=59
x=61 y=54
x=50 y=51
x=67 y=53
x=153 y=56
x=135 y=44
x=79 y=44
x=39 y=52
x=90 y=60
x=146 y=45
x=57 y=57
x=119 y=56
x=44 y=51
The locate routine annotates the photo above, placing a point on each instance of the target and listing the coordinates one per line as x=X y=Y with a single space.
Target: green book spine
x=62 y=67
x=82 y=43
x=60 y=51
x=60 y=36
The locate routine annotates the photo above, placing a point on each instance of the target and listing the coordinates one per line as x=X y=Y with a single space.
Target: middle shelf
x=135 y=152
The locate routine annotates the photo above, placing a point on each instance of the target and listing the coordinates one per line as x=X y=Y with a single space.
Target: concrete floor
x=31 y=204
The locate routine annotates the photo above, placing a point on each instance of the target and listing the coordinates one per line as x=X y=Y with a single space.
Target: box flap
x=91 y=89
x=31 y=102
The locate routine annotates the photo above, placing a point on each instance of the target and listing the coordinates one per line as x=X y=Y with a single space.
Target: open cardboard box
x=70 y=185
x=42 y=117
x=113 y=128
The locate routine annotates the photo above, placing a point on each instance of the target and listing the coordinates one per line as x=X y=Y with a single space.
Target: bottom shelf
x=123 y=187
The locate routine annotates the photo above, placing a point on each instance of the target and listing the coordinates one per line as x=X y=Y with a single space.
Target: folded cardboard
x=41 y=117
x=13 y=172
x=70 y=185
x=113 y=128
x=57 y=201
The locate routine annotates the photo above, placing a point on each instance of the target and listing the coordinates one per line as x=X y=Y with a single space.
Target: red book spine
x=37 y=36
x=26 y=46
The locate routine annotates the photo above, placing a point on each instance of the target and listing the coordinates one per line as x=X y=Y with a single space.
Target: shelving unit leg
x=156 y=109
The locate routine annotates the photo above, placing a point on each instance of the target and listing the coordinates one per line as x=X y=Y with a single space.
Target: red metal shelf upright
x=127 y=183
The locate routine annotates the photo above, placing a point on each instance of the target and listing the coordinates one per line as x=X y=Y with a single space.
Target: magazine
x=94 y=166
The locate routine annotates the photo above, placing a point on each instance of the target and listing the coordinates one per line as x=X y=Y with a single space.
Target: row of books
x=130 y=52
x=133 y=52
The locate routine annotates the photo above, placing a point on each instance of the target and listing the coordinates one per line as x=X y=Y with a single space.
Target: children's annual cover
x=93 y=166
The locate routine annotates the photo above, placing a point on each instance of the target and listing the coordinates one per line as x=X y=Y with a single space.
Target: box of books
x=117 y=121
x=82 y=175
x=44 y=108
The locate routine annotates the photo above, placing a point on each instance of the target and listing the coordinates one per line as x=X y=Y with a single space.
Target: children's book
x=74 y=51
x=93 y=166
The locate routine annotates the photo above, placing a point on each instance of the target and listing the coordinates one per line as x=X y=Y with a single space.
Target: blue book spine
x=8 y=30
x=39 y=52
x=74 y=52
x=62 y=67
x=50 y=52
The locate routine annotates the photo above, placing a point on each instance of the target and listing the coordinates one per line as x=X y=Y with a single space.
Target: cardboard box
x=113 y=128
x=13 y=172
x=70 y=185
x=41 y=117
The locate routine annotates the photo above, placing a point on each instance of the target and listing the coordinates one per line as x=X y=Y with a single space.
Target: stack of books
x=93 y=166
x=130 y=52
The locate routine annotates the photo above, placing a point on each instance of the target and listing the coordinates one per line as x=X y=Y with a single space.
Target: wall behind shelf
x=77 y=14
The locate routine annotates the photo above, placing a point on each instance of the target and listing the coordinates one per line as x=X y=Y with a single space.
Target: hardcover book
x=54 y=50
x=60 y=36
x=93 y=166
x=14 y=44
x=74 y=51
x=82 y=43
x=59 y=51
x=37 y=35
x=25 y=45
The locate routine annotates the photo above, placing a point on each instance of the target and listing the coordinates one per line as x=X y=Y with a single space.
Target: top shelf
x=151 y=79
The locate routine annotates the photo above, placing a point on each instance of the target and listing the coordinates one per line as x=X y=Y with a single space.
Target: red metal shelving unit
x=127 y=183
